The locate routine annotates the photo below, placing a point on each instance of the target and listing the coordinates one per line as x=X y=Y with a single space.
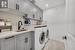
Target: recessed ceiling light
x=46 y=5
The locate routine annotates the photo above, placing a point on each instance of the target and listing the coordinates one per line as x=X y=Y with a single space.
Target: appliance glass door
x=42 y=38
x=3 y=3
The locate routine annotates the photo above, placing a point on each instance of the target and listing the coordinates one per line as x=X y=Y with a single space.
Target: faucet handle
x=20 y=23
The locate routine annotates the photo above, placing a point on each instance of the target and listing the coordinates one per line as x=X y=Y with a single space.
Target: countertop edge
x=13 y=33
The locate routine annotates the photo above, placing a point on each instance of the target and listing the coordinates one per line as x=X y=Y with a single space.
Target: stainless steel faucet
x=19 y=25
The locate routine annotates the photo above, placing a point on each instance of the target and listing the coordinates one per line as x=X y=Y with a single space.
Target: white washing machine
x=46 y=30
x=39 y=39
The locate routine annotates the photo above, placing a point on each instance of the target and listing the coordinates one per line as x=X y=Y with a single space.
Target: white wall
x=70 y=15
x=55 y=18
x=70 y=11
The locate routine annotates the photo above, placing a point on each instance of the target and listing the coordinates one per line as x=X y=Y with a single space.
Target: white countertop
x=13 y=33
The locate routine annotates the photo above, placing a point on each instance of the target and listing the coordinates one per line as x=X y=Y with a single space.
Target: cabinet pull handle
x=17 y=7
x=40 y=26
x=9 y=37
x=65 y=37
x=26 y=40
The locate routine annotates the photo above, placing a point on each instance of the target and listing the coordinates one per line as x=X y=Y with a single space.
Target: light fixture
x=47 y=5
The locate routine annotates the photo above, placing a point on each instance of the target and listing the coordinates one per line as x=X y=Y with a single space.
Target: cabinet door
x=21 y=5
x=20 y=42
x=8 y=43
x=28 y=41
x=17 y=5
x=23 y=42
x=12 y=4
x=3 y=3
x=70 y=42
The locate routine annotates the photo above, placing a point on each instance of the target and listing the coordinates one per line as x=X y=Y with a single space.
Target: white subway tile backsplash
x=12 y=18
x=2 y=23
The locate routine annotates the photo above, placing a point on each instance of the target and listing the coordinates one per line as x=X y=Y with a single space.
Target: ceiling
x=29 y=7
x=46 y=4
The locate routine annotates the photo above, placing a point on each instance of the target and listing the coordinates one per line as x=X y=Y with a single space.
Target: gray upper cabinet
x=3 y=3
x=18 y=4
x=7 y=4
x=12 y=4
x=38 y=14
x=21 y=7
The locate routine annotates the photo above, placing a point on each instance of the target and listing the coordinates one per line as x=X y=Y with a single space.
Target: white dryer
x=39 y=39
x=46 y=31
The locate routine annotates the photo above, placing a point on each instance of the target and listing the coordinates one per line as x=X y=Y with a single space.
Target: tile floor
x=54 y=45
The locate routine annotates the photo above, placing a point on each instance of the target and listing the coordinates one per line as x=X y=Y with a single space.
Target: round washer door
x=42 y=38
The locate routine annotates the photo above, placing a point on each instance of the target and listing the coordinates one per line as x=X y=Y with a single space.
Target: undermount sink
x=21 y=30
